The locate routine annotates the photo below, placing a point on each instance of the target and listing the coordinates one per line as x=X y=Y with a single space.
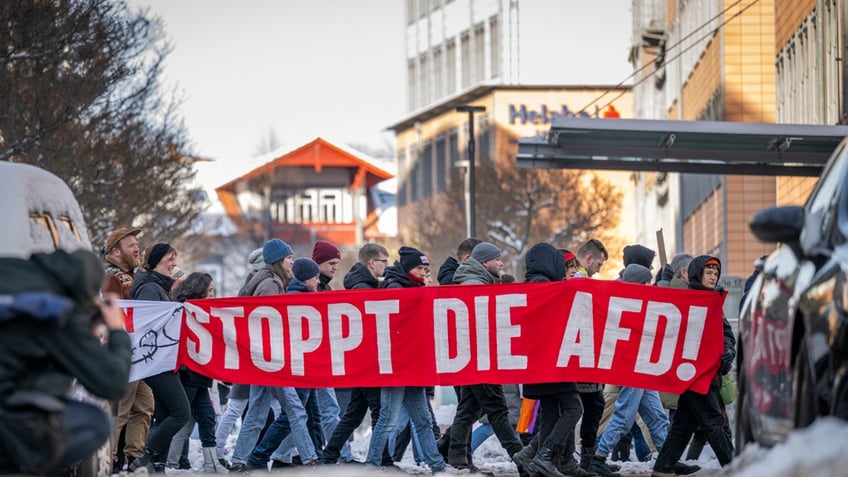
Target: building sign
x=543 y=115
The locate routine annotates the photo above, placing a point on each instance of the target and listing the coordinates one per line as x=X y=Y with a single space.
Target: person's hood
x=696 y=271
x=358 y=274
x=472 y=270
x=297 y=286
x=544 y=263
x=447 y=271
x=638 y=254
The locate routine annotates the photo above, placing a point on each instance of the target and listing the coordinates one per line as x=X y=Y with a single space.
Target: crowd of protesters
x=286 y=426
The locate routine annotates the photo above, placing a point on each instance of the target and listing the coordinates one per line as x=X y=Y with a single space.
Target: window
x=427 y=170
x=479 y=54
x=41 y=226
x=483 y=137
x=411 y=92
x=70 y=225
x=414 y=184
x=438 y=80
x=450 y=67
x=423 y=8
x=423 y=80
x=495 y=48
x=441 y=163
x=465 y=60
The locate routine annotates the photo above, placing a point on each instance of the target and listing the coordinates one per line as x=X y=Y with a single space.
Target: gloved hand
x=727 y=361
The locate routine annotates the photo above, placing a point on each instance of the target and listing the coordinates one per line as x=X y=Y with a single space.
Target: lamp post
x=470 y=214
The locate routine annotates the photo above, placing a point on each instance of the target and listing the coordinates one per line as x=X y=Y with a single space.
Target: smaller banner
x=154 y=328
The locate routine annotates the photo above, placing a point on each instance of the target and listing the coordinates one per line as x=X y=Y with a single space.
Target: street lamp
x=470 y=215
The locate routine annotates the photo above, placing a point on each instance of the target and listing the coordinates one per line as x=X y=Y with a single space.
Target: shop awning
x=708 y=147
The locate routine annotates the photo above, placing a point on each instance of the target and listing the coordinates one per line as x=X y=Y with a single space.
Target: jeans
x=235 y=408
x=291 y=420
x=360 y=401
x=695 y=410
x=630 y=402
x=260 y=401
x=172 y=410
x=328 y=413
x=414 y=400
x=203 y=414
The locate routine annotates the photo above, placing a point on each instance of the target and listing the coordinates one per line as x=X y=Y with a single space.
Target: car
x=792 y=358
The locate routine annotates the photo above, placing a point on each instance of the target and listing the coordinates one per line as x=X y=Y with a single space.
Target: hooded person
x=695 y=410
x=254 y=264
x=559 y=403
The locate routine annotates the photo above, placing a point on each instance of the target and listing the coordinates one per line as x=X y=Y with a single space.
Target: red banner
x=577 y=330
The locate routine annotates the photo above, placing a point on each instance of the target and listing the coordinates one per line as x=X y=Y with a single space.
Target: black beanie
x=411 y=258
x=157 y=252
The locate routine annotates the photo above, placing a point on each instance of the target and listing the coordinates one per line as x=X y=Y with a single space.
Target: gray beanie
x=254 y=260
x=635 y=273
x=485 y=251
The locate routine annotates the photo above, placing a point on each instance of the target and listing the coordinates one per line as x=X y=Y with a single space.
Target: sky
x=331 y=68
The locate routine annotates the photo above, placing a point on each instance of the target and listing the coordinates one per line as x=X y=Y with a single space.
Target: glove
x=727 y=361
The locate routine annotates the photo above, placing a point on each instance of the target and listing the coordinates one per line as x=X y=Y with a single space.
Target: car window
x=826 y=193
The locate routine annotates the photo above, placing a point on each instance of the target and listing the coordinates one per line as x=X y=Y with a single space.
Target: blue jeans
x=630 y=402
x=260 y=401
x=329 y=412
x=414 y=400
x=290 y=422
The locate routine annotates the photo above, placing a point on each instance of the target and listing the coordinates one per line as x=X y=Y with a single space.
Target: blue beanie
x=305 y=268
x=275 y=250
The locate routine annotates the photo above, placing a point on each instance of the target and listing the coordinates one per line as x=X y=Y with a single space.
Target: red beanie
x=324 y=251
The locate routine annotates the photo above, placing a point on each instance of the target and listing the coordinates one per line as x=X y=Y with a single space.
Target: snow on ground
x=818 y=451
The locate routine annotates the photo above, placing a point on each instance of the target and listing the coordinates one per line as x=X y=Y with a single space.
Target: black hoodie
x=447 y=271
x=359 y=277
x=696 y=271
x=545 y=263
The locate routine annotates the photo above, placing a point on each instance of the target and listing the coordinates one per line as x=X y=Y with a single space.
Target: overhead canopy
x=708 y=147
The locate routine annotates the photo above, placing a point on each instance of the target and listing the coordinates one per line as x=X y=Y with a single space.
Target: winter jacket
x=396 y=277
x=544 y=263
x=151 y=286
x=447 y=271
x=324 y=283
x=696 y=271
x=473 y=272
x=297 y=286
x=360 y=277
x=118 y=279
x=47 y=356
x=265 y=282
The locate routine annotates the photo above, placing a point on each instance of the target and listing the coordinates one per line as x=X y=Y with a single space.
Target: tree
x=80 y=95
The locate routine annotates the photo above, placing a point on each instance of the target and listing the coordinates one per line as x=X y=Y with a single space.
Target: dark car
x=792 y=358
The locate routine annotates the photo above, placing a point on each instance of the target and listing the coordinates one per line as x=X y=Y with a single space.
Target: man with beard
x=136 y=407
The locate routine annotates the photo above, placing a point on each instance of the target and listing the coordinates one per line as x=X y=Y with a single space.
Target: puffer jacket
x=359 y=277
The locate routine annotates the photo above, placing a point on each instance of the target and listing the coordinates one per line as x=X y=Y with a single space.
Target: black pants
x=474 y=402
x=172 y=410
x=558 y=414
x=202 y=412
x=361 y=400
x=694 y=410
x=593 y=409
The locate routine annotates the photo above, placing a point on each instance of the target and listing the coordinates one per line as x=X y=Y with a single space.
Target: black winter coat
x=152 y=286
x=396 y=277
x=545 y=263
x=359 y=277
x=46 y=357
x=447 y=271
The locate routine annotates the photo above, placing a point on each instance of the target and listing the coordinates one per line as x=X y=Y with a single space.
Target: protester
x=694 y=409
x=409 y=272
x=135 y=409
x=42 y=430
x=328 y=257
x=154 y=283
x=463 y=252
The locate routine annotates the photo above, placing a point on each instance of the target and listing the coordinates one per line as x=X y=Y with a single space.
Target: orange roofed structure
x=318 y=191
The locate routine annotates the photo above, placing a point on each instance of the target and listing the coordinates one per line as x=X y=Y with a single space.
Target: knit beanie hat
x=254 y=260
x=324 y=251
x=411 y=258
x=305 y=268
x=275 y=250
x=155 y=254
x=485 y=251
x=635 y=273
x=638 y=254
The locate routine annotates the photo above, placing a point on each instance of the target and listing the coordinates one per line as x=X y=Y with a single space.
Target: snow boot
x=524 y=461
x=570 y=468
x=211 y=464
x=544 y=462
x=144 y=460
x=684 y=469
x=598 y=465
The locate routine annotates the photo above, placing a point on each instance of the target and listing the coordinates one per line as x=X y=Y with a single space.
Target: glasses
x=384 y=260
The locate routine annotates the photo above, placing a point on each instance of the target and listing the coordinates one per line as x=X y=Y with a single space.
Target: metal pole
x=470 y=206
